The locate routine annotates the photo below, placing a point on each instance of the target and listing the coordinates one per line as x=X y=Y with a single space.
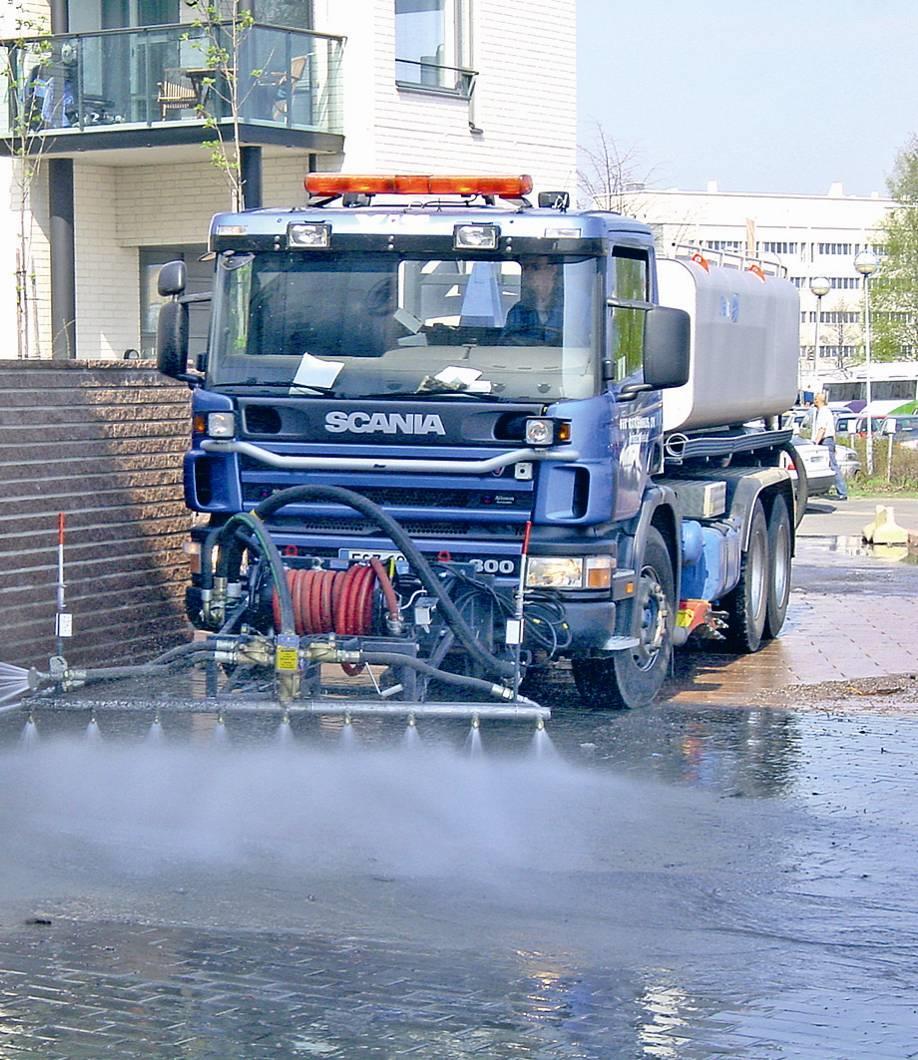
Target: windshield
x=379 y=324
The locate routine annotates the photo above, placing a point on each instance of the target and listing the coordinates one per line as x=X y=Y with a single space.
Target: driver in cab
x=537 y=319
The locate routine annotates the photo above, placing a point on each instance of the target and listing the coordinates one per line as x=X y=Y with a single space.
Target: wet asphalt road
x=685 y=881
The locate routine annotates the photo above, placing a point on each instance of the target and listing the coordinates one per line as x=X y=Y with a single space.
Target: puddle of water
x=853 y=545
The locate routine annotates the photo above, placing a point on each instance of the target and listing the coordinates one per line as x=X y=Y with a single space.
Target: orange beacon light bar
x=509 y=187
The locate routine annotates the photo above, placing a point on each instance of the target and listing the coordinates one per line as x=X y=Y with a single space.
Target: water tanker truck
x=444 y=439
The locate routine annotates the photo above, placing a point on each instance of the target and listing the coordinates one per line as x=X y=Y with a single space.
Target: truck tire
x=747 y=605
x=633 y=678
x=779 y=549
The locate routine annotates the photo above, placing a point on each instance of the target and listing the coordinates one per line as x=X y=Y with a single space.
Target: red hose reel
x=326 y=601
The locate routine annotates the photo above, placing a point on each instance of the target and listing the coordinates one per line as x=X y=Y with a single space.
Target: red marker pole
x=63 y=623
x=515 y=625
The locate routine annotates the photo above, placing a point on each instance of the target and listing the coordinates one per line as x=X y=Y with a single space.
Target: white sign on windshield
x=314 y=372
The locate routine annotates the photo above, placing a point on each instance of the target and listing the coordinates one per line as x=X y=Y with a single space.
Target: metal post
x=866 y=264
x=250 y=171
x=60 y=16
x=816 y=334
x=868 y=372
x=63 y=275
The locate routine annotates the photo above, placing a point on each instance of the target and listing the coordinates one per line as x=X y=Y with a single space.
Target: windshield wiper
x=325 y=391
x=421 y=395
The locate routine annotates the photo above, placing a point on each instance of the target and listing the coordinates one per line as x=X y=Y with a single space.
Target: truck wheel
x=747 y=605
x=779 y=548
x=633 y=678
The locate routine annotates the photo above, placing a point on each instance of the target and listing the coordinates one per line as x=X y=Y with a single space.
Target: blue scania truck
x=446 y=437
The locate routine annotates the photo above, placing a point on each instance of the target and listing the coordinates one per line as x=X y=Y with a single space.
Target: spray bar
x=519 y=711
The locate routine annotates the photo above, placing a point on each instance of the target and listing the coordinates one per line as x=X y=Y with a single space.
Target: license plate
x=365 y=553
x=504 y=566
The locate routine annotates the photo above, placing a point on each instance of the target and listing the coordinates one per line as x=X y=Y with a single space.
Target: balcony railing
x=160 y=75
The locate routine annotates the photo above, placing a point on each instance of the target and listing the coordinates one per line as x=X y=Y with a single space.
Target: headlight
x=316 y=235
x=221 y=424
x=554 y=572
x=569 y=572
x=542 y=430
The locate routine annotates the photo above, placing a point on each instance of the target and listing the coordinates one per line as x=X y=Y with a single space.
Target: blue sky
x=766 y=96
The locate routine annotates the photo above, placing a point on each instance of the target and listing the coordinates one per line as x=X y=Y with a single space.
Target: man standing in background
x=824 y=434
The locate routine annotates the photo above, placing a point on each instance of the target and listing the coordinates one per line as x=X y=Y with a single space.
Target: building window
x=297 y=14
x=200 y=277
x=777 y=248
x=430 y=46
x=723 y=244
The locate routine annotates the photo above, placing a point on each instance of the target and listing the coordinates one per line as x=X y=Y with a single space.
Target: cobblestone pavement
x=852 y=616
x=699 y=879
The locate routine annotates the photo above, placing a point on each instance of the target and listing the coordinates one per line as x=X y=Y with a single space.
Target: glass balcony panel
x=164 y=74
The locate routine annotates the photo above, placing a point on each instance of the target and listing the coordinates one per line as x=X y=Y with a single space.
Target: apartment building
x=113 y=96
x=810 y=235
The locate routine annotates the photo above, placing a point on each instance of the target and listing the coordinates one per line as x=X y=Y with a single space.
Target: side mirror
x=667 y=344
x=172 y=338
x=173 y=277
x=667 y=352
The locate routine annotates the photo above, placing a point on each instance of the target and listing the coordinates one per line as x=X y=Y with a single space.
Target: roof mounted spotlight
x=555 y=200
x=314 y=235
x=476 y=237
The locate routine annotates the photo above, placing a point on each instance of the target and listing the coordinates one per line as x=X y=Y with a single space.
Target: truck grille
x=363 y=528
x=411 y=497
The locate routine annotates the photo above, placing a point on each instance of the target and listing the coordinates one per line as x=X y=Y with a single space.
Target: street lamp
x=866 y=264
x=820 y=287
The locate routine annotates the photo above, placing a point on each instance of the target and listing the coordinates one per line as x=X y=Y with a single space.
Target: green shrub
x=900 y=477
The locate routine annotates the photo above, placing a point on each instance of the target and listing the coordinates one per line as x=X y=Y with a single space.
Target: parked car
x=848 y=460
x=902 y=428
x=800 y=417
x=846 y=423
x=820 y=478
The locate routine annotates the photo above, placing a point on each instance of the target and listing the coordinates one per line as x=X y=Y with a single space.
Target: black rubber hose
x=231 y=553
x=802 y=494
x=394 y=658
x=179 y=652
x=339 y=495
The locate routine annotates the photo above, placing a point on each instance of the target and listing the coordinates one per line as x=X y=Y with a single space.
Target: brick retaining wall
x=102 y=442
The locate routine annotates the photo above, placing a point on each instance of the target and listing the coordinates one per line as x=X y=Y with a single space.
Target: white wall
x=524 y=106
x=524 y=98
x=107 y=271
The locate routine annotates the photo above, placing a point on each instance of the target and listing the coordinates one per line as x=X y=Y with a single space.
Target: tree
x=894 y=290
x=845 y=330
x=223 y=28
x=608 y=175
x=23 y=63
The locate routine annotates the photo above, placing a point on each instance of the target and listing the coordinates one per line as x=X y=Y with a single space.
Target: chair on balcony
x=298 y=83
x=175 y=93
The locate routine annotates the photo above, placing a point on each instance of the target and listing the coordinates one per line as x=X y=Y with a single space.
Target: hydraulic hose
x=394 y=658
x=231 y=555
x=191 y=648
x=339 y=495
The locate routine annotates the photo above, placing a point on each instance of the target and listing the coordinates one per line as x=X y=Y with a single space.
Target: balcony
x=156 y=86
